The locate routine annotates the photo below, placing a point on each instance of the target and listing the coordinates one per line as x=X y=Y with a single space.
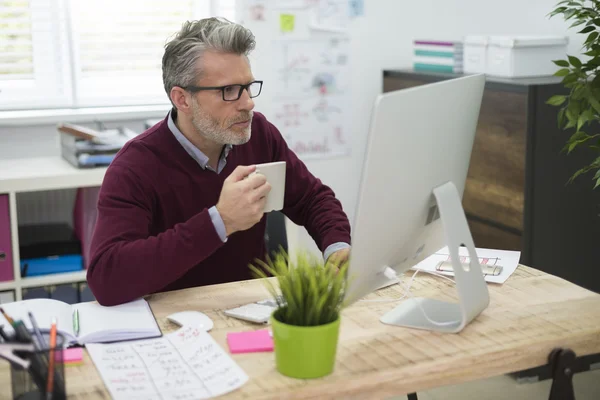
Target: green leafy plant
x=310 y=292
x=580 y=109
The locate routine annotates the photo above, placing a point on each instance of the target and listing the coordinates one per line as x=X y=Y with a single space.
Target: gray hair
x=195 y=37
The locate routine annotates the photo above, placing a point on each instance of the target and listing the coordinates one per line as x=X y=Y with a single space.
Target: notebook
x=97 y=324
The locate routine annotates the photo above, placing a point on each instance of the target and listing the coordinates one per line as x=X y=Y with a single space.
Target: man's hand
x=242 y=200
x=339 y=257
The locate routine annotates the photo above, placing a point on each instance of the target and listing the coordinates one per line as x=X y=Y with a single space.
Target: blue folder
x=51 y=265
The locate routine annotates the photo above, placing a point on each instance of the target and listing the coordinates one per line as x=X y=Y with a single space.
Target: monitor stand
x=473 y=296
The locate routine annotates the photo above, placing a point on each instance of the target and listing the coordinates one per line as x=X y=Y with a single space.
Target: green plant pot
x=305 y=351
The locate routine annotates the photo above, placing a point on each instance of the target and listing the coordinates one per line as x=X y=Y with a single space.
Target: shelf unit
x=40 y=174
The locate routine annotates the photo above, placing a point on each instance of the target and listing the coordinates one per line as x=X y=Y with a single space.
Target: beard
x=209 y=127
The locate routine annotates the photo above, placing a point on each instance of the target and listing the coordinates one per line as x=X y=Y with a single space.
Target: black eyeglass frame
x=194 y=89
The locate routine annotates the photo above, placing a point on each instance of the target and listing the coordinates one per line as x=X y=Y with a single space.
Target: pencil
x=9 y=319
x=50 y=385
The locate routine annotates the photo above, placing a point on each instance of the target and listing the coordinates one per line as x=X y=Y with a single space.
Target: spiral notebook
x=97 y=324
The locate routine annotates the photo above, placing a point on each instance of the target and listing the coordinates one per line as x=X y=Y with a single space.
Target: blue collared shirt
x=202 y=160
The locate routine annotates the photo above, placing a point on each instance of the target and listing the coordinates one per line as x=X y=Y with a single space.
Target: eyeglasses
x=231 y=92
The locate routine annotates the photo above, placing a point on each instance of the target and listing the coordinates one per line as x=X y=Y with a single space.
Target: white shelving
x=37 y=174
x=45 y=173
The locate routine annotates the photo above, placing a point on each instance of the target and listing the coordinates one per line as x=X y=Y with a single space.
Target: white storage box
x=523 y=56
x=475 y=53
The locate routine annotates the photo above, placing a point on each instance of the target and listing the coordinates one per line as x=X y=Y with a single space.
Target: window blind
x=83 y=53
x=118 y=46
x=34 y=70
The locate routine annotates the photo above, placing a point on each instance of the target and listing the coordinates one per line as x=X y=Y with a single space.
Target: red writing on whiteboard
x=311 y=147
x=291 y=114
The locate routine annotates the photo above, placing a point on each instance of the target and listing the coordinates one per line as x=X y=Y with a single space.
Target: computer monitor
x=409 y=205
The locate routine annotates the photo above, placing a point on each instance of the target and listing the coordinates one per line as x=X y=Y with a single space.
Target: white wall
x=382 y=39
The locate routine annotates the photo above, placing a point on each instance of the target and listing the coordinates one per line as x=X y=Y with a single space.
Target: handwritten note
x=186 y=364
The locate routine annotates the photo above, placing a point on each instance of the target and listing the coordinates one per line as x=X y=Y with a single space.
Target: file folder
x=7 y=272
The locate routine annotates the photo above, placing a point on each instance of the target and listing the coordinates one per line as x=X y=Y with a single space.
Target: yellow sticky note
x=286 y=21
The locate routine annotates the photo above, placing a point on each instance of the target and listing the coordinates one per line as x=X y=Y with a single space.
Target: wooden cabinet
x=516 y=196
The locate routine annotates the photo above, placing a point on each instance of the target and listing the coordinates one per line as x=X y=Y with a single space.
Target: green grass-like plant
x=310 y=293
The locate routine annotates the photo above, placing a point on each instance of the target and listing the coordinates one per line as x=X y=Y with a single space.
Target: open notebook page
x=126 y=321
x=43 y=310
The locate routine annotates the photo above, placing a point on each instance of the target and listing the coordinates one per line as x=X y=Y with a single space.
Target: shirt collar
x=193 y=151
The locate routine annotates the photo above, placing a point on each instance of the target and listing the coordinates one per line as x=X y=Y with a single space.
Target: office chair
x=275 y=234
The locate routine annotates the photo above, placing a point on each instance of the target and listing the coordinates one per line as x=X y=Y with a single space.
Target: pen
x=36 y=330
x=76 y=322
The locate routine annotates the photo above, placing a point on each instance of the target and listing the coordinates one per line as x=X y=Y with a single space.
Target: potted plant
x=306 y=322
x=580 y=108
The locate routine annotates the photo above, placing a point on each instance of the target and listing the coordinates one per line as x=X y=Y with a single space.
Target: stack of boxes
x=438 y=56
x=514 y=56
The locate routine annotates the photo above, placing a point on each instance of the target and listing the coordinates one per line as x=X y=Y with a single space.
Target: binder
x=7 y=272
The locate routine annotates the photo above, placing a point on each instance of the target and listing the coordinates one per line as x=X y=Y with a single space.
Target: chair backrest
x=275 y=234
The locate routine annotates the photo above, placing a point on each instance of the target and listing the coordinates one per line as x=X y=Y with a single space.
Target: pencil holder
x=32 y=383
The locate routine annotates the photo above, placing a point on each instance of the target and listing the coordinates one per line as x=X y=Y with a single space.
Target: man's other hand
x=339 y=257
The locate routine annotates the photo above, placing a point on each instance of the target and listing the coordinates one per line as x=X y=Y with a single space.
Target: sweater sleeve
x=308 y=202
x=127 y=262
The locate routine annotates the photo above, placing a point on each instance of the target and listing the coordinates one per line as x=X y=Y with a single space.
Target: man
x=178 y=206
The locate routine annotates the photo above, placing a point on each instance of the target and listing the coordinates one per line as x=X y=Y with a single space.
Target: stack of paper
x=504 y=262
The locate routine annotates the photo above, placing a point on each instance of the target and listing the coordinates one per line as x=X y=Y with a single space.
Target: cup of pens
x=44 y=377
x=36 y=360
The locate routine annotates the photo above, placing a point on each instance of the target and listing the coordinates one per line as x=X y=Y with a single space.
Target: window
x=34 y=67
x=73 y=53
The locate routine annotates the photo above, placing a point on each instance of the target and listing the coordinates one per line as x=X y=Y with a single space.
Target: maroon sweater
x=154 y=231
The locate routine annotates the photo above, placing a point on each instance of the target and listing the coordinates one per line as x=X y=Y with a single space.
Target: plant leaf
x=587 y=29
x=584 y=117
x=569 y=13
x=561 y=63
x=593 y=36
x=556 y=100
x=594 y=103
x=562 y=72
x=561 y=118
x=570 y=79
x=576 y=62
x=313 y=293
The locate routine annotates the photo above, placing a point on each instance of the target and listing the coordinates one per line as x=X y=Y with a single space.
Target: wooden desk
x=528 y=316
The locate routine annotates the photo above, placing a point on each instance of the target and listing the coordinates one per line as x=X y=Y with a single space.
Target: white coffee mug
x=275 y=174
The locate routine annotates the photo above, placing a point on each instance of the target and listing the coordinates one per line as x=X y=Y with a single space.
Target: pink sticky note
x=73 y=355
x=250 y=341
